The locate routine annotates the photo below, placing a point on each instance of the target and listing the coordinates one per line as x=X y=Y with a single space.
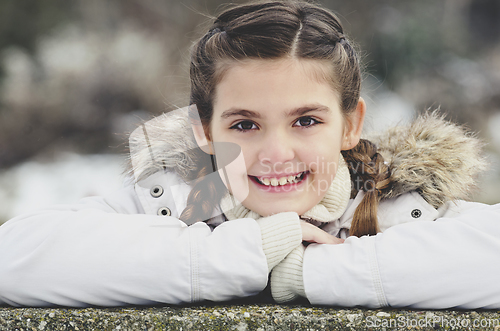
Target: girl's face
x=288 y=123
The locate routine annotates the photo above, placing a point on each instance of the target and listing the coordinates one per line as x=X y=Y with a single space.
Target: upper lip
x=279 y=175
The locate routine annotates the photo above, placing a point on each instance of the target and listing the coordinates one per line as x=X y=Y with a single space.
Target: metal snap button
x=164 y=211
x=156 y=191
x=416 y=213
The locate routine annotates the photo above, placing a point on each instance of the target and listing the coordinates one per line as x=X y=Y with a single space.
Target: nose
x=276 y=147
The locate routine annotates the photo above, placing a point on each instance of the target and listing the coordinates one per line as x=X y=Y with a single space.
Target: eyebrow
x=240 y=112
x=307 y=109
x=295 y=112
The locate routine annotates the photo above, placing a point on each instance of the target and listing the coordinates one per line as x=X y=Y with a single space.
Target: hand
x=313 y=234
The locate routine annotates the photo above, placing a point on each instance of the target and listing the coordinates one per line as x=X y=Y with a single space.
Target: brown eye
x=244 y=126
x=306 y=122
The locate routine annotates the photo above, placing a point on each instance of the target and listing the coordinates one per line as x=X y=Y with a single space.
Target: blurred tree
x=23 y=21
x=484 y=21
x=73 y=69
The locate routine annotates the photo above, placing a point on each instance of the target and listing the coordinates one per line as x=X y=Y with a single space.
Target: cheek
x=234 y=176
x=325 y=174
x=322 y=160
x=250 y=153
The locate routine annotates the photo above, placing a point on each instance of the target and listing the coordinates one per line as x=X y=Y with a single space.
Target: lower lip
x=280 y=188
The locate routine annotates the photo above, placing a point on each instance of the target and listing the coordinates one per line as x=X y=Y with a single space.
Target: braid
x=206 y=193
x=370 y=174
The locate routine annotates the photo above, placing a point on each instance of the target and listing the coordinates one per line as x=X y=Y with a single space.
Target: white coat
x=118 y=250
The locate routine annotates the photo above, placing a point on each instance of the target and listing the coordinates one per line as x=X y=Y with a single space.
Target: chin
x=273 y=210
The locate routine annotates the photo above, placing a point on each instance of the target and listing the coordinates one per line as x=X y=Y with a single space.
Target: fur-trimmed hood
x=437 y=158
x=432 y=156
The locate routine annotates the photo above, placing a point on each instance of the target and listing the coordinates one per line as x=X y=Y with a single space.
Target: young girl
x=268 y=156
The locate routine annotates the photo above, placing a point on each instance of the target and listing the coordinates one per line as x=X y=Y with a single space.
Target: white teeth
x=281 y=181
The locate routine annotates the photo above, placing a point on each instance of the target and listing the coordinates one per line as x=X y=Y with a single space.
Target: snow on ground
x=33 y=185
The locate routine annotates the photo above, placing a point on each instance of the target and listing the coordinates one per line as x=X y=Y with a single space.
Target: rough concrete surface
x=262 y=317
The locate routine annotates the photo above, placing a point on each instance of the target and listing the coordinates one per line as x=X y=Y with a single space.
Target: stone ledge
x=262 y=317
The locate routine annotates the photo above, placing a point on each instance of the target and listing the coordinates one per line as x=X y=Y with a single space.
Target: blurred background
x=77 y=75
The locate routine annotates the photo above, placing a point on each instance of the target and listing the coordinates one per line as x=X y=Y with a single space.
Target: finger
x=311 y=233
x=326 y=238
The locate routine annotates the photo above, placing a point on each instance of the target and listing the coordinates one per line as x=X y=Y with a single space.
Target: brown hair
x=274 y=30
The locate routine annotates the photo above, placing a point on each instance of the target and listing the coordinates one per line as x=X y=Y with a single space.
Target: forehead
x=275 y=84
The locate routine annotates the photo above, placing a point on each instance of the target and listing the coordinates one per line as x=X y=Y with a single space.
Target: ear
x=354 y=126
x=204 y=143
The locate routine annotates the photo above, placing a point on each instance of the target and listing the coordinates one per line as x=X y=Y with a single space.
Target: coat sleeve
x=451 y=262
x=99 y=252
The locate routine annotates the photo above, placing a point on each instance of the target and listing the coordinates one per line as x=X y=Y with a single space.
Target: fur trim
x=165 y=142
x=437 y=158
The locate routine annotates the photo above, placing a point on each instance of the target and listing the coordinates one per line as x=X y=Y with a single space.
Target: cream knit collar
x=329 y=209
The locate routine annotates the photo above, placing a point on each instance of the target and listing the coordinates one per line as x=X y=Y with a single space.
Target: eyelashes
x=306 y=121
x=244 y=126
x=302 y=122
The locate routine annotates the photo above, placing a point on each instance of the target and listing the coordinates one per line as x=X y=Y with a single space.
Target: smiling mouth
x=282 y=181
